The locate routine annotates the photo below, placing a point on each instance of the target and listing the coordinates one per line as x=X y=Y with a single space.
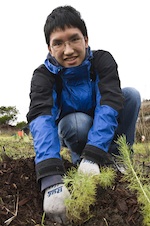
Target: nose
x=68 y=49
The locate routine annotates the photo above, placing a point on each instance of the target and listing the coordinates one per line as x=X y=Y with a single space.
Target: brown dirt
x=114 y=207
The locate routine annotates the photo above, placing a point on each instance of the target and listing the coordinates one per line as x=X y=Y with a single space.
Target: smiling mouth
x=70 y=59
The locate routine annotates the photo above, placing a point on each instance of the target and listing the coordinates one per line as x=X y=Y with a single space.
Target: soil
x=115 y=206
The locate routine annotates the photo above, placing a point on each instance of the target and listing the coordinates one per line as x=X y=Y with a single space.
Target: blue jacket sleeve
x=42 y=115
x=104 y=125
x=45 y=136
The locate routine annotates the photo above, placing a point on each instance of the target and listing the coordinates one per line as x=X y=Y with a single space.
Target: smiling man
x=77 y=102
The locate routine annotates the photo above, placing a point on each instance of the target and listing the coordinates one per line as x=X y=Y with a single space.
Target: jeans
x=73 y=129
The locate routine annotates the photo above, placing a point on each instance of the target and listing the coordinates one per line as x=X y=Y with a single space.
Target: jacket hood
x=54 y=67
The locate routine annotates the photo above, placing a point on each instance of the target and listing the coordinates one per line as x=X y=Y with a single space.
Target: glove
x=88 y=167
x=53 y=203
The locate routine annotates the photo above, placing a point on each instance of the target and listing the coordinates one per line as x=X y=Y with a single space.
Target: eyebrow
x=75 y=35
x=72 y=36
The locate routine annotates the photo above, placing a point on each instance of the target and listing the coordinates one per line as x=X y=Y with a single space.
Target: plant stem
x=43 y=218
x=135 y=175
x=105 y=221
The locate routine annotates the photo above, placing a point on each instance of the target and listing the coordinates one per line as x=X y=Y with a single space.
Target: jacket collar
x=54 y=67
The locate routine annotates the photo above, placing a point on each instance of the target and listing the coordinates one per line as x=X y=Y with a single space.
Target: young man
x=76 y=101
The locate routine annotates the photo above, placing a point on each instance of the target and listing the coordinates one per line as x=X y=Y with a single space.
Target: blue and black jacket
x=92 y=88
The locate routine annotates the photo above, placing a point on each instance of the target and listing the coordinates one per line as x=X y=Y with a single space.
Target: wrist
x=50 y=181
x=97 y=155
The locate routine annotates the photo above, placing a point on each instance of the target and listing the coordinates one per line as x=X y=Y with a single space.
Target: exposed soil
x=114 y=207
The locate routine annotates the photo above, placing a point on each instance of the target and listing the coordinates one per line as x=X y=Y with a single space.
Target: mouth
x=71 y=60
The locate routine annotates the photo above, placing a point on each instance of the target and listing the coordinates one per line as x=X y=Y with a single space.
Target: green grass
x=142 y=153
x=23 y=148
x=16 y=147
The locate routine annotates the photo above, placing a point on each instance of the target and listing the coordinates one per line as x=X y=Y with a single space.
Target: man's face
x=68 y=46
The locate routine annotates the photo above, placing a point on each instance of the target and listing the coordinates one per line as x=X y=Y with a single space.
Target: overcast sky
x=118 y=26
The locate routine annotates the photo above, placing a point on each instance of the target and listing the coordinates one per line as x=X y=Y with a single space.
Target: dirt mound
x=114 y=207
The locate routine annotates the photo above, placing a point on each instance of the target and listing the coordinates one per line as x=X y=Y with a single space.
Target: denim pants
x=73 y=129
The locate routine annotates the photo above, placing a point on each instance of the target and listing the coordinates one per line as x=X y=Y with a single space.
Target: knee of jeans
x=132 y=94
x=75 y=124
x=65 y=130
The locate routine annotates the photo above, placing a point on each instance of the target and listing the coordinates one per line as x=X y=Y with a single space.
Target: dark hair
x=61 y=17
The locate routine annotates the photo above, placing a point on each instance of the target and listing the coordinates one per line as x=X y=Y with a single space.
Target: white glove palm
x=54 y=205
x=88 y=167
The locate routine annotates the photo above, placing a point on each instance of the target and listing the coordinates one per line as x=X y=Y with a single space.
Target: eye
x=57 y=44
x=75 y=39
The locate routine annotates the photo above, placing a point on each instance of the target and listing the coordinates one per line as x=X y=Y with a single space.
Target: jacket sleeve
x=109 y=102
x=41 y=117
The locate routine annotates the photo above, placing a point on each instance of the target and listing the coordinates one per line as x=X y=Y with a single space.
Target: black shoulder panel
x=41 y=100
x=109 y=82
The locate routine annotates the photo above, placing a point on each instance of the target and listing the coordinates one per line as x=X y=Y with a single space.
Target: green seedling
x=83 y=189
x=107 y=177
x=65 y=153
x=138 y=181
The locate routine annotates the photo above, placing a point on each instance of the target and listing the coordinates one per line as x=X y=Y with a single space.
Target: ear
x=86 y=41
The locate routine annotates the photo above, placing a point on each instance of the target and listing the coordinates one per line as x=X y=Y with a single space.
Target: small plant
x=65 y=153
x=137 y=180
x=106 y=177
x=83 y=189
